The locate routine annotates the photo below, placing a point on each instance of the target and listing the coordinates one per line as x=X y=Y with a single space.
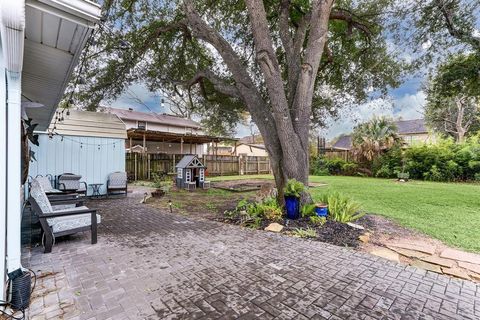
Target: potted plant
x=292 y=192
x=321 y=209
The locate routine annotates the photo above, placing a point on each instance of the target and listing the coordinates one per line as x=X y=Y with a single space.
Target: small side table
x=96 y=189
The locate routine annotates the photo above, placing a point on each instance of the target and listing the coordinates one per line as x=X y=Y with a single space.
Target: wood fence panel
x=144 y=166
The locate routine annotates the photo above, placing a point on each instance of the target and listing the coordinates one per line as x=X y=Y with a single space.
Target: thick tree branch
x=318 y=33
x=351 y=20
x=452 y=29
x=270 y=68
x=247 y=90
x=284 y=30
x=219 y=84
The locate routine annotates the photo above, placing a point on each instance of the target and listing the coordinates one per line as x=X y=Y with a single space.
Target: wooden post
x=130 y=144
x=239 y=165
x=258 y=165
x=181 y=145
x=135 y=167
x=173 y=163
x=191 y=148
x=148 y=165
x=144 y=143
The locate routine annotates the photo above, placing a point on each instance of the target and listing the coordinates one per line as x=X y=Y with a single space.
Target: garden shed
x=90 y=144
x=190 y=173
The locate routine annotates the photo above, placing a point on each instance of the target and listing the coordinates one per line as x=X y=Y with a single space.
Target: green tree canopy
x=453 y=97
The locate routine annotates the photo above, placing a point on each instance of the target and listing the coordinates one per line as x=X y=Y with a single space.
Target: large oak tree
x=289 y=63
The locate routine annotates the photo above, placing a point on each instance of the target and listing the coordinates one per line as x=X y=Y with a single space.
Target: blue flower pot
x=292 y=205
x=321 y=211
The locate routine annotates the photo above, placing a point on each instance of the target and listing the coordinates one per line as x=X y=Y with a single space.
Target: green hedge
x=443 y=161
x=336 y=166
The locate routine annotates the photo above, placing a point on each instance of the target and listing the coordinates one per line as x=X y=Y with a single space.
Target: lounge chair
x=117 y=182
x=71 y=182
x=61 y=218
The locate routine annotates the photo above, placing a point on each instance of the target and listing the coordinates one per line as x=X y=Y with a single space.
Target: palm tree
x=371 y=138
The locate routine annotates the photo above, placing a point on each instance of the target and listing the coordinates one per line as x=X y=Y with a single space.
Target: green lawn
x=447 y=211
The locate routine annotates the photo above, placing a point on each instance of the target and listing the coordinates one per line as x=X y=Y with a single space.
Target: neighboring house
x=91 y=144
x=257 y=150
x=411 y=131
x=252 y=139
x=221 y=150
x=162 y=133
x=40 y=44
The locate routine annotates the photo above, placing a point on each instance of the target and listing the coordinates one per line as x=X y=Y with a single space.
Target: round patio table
x=96 y=189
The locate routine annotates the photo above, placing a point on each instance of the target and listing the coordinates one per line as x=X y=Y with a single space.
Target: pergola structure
x=185 y=140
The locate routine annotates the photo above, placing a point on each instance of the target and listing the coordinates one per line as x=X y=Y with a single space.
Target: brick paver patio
x=154 y=265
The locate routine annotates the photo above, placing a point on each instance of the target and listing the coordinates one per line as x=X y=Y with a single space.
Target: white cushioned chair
x=117 y=183
x=63 y=218
x=71 y=182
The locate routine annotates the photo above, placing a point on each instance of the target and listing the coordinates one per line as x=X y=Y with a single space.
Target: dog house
x=190 y=173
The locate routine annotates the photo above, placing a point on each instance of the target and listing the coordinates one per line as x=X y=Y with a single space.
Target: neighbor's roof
x=154 y=118
x=411 y=126
x=344 y=143
x=90 y=124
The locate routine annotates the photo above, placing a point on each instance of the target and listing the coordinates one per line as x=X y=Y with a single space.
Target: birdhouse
x=190 y=173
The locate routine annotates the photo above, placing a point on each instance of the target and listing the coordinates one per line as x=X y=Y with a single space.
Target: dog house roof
x=190 y=161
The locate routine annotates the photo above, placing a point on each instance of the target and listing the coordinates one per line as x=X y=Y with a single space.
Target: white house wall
x=94 y=163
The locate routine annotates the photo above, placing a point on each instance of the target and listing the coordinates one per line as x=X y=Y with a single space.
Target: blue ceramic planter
x=321 y=211
x=292 y=205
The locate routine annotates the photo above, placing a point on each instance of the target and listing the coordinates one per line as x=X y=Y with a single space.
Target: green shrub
x=308 y=210
x=304 y=233
x=335 y=166
x=293 y=188
x=342 y=208
x=443 y=161
x=318 y=221
x=384 y=172
x=252 y=213
x=477 y=176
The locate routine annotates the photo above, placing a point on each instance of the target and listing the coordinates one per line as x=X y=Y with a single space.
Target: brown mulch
x=336 y=233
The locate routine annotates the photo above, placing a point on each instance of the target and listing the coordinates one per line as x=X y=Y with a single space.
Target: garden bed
x=242 y=185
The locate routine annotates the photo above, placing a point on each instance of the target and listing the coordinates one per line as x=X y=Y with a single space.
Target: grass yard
x=446 y=211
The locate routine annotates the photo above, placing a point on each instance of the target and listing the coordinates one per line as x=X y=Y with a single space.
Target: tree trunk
x=459 y=128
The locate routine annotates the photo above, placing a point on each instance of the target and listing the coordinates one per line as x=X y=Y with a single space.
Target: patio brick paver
x=154 y=265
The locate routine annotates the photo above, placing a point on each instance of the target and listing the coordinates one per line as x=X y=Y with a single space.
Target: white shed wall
x=94 y=163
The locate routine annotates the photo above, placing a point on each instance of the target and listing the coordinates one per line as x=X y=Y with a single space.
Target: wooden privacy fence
x=141 y=166
x=346 y=155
